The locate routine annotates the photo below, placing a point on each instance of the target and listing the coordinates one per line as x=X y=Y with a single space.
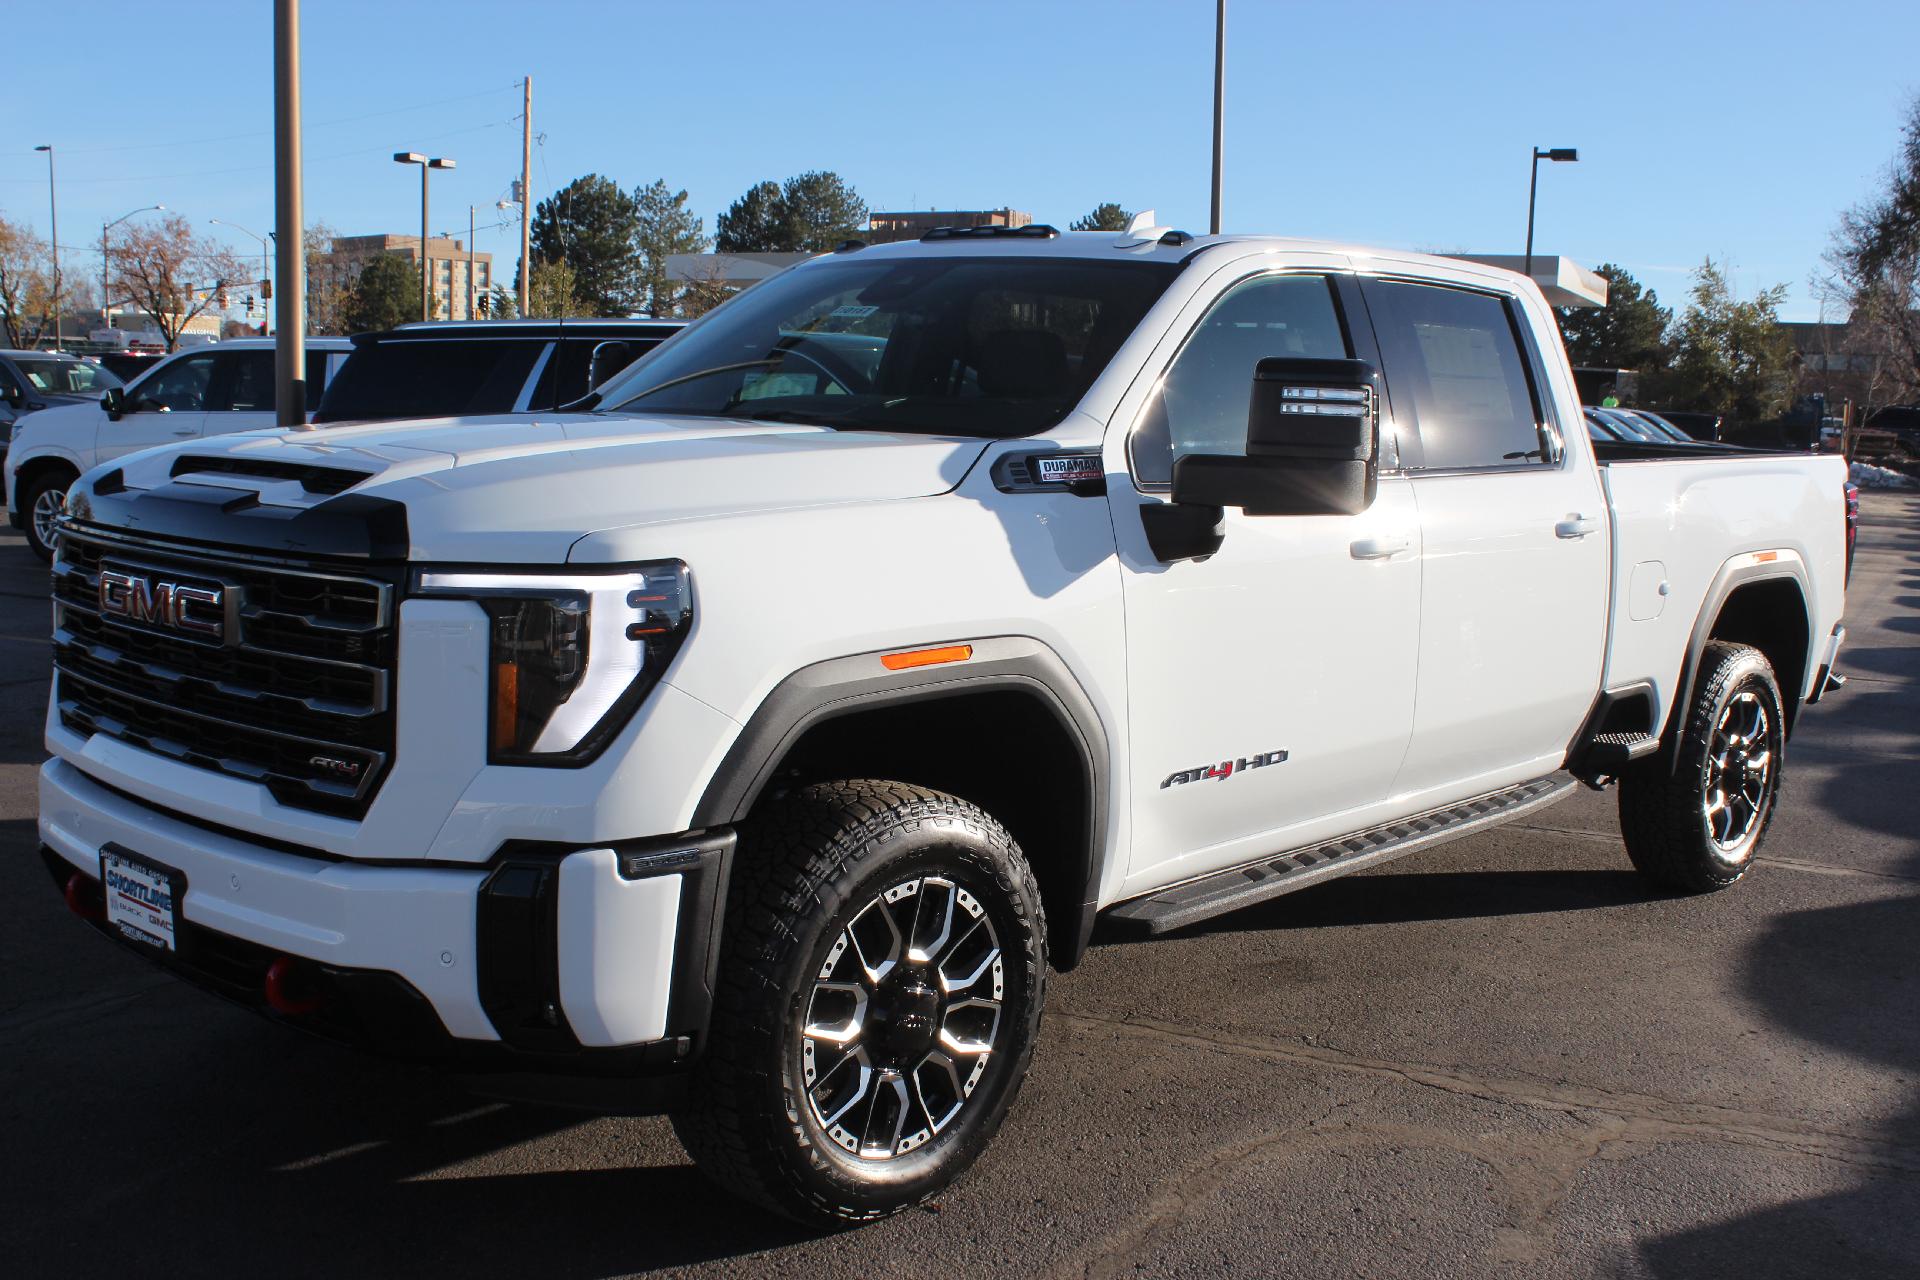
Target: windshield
x=955 y=346
x=67 y=377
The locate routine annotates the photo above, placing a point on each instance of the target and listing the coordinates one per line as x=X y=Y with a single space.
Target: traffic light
x=249 y=304
x=221 y=300
x=266 y=291
x=483 y=304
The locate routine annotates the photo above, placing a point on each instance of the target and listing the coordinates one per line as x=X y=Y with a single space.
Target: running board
x=1237 y=887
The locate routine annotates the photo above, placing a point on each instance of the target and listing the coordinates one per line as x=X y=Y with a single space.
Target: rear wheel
x=42 y=499
x=880 y=990
x=1696 y=825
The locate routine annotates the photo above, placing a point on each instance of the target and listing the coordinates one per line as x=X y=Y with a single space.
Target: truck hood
x=508 y=489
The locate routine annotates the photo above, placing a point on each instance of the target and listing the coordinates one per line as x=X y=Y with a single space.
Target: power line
x=262 y=133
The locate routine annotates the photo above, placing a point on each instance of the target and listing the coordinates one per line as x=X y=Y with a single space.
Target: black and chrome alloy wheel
x=903 y=1018
x=1739 y=774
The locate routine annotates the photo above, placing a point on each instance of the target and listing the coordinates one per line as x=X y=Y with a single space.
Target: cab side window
x=182 y=385
x=250 y=381
x=1454 y=359
x=1202 y=401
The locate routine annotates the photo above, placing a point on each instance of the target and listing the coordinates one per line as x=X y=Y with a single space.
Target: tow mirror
x=1313 y=433
x=114 y=401
x=608 y=359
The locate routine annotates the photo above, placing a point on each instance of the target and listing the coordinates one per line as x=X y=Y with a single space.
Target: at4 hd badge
x=1224 y=770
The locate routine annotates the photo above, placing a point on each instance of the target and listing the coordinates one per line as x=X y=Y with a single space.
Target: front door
x=166 y=406
x=1515 y=561
x=1271 y=685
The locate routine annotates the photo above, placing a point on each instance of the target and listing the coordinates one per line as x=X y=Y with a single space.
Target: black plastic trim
x=842 y=686
x=351 y=526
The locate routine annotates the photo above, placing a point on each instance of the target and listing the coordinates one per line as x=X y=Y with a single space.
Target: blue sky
x=1738 y=130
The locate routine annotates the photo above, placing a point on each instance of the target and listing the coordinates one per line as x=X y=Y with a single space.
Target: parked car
x=447 y=368
x=1699 y=425
x=34 y=380
x=752 y=745
x=1662 y=428
x=202 y=391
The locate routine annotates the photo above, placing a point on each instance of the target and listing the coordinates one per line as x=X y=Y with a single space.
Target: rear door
x=1514 y=556
x=166 y=406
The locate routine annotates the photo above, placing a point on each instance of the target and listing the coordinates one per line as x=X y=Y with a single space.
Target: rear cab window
x=1462 y=378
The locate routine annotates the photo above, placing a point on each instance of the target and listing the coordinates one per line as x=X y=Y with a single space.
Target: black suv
x=439 y=369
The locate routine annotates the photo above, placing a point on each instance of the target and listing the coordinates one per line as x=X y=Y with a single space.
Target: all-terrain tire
x=820 y=877
x=1693 y=821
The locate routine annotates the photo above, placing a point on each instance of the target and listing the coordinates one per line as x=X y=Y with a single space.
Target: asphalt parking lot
x=1505 y=1057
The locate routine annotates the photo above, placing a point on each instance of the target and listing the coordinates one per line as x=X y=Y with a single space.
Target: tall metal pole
x=425 y=262
x=469 y=262
x=526 y=194
x=1219 y=105
x=290 y=295
x=1533 y=189
x=106 y=315
x=53 y=221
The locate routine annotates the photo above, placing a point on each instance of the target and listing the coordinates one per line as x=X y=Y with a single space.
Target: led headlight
x=570 y=654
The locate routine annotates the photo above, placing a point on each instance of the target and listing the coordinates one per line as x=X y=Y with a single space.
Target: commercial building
x=448 y=264
x=883 y=228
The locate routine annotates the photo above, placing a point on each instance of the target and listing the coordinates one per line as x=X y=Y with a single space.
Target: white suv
x=201 y=391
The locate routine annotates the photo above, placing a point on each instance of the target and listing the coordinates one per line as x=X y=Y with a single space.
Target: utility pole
x=290 y=350
x=526 y=193
x=1219 y=104
x=53 y=218
x=469 y=262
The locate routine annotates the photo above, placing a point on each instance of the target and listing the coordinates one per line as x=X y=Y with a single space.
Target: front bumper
x=552 y=959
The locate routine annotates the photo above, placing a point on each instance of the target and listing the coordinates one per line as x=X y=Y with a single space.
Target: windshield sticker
x=852 y=312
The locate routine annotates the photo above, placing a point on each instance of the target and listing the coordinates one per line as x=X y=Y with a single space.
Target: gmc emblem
x=198 y=611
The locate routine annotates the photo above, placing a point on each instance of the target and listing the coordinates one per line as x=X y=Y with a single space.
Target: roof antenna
x=1142 y=228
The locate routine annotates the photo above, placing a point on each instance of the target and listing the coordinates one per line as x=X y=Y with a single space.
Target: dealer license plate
x=143 y=900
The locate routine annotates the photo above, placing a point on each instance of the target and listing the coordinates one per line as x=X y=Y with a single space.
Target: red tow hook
x=83 y=897
x=286 y=990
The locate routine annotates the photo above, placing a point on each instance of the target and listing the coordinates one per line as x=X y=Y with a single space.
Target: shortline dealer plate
x=142 y=898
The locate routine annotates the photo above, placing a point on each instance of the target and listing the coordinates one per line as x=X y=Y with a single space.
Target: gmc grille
x=300 y=700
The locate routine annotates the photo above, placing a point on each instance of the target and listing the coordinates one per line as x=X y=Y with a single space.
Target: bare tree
x=330 y=278
x=706 y=289
x=26 y=284
x=1876 y=259
x=170 y=273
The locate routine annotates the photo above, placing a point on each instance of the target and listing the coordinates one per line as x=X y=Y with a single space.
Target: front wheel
x=41 y=501
x=881 y=980
x=1694 y=826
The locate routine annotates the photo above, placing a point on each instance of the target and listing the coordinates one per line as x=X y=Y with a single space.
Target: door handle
x=1576 y=526
x=188 y=432
x=1378 y=548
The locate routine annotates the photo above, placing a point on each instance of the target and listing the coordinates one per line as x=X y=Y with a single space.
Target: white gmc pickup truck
x=750 y=745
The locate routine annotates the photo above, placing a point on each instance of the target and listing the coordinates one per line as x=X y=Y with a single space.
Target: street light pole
x=426 y=167
x=1559 y=154
x=266 y=264
x=290 y=349
x=106 y=314
x=53 y=221
x=1219 y=105
x=469 y=262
